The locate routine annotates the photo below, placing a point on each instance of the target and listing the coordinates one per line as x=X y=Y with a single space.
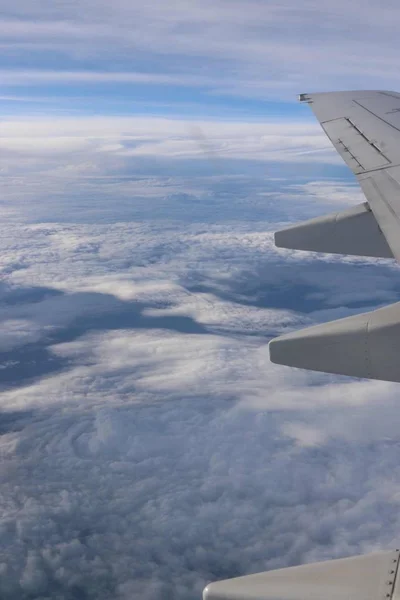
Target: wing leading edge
x=368 y=577
x=364 y=127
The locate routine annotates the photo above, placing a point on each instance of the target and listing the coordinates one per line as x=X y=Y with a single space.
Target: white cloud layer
x=289 y=141
x=148 y=446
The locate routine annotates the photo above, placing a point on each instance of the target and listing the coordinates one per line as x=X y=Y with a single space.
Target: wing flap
x=359 y=152
x=375 y=116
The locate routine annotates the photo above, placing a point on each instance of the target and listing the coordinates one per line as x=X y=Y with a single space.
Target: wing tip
x=345 y=94
x=304 y=98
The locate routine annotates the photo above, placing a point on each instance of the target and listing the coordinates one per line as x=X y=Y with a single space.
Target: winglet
x=304 y=98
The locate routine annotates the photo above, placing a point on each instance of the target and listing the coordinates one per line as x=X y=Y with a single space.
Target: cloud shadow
x=302 y=287
x=11 y=421
x=62 y=317
x=86 y=312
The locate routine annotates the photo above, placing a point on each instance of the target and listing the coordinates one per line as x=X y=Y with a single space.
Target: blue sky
x=224 y=58
x=148 y=153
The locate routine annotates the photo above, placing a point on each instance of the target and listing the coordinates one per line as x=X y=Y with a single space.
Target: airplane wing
x=369 y=577
x=364 y=127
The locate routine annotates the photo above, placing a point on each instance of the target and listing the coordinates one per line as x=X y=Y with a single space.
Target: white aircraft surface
x=369 y=577
x=364 y=127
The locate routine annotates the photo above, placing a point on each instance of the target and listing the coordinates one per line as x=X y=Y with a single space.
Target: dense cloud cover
x=148 y=446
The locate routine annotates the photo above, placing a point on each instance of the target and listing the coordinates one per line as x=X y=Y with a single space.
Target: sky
x=147 y=154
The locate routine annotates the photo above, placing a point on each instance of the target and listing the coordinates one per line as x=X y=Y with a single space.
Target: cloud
x=148 y=445
x=164 y=164
x=90 y=159
x=24 y=77
x=264 y=49
x=111 y=146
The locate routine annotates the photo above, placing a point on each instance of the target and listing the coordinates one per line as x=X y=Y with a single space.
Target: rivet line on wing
x=393 y=571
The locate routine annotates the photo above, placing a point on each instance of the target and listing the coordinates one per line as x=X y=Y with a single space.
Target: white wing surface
x=368 y=577
x=364 y=127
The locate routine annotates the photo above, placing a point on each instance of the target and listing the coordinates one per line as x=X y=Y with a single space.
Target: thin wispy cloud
x=254 y=49
x=116 y=145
